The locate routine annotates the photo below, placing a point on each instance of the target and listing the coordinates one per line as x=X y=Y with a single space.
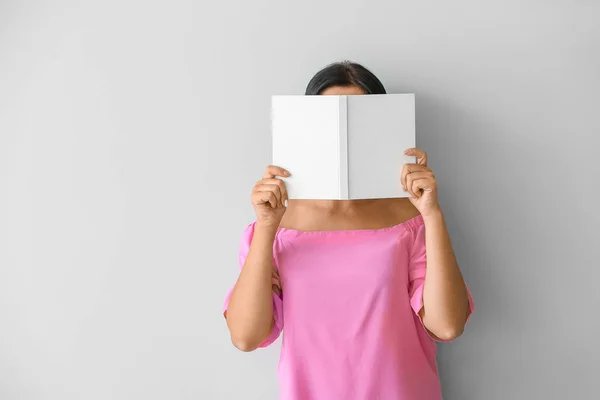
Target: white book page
x=306 y=143
x=380 y=128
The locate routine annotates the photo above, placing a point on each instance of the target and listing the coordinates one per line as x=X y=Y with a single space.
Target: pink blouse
x=350 y=302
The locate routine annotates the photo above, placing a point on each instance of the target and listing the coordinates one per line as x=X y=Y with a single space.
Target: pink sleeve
x=277 y=300
x=416 y=275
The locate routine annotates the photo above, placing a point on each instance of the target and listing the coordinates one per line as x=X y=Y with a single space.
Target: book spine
x=343 y=147
x=272 y=131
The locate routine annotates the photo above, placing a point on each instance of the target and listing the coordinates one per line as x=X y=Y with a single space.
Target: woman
x=363 y=305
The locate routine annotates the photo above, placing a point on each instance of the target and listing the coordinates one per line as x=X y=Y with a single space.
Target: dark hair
x=344 y=73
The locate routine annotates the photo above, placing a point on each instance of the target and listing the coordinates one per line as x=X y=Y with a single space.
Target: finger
x=409 y=169
x=419 y=154
x=280 y=184
x=420 y=185
x=271 y=199
x=260 y=197
x=275 y=273
x=409 y=185
x=271 y=188
x=419 y=180
x=276 y=281
x=421 y=175
x=406 y=170
x=276 y=289
x=272 y=171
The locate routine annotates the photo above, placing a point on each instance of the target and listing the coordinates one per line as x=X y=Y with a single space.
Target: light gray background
x=131 y=133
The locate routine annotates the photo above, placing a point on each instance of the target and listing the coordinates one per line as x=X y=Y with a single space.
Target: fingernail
x=287 y=173
x=285 y=203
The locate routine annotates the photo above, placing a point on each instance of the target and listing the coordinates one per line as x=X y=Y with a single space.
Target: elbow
x=244 y=345
x=449 y=333
x=242 y=339
x=245 y=339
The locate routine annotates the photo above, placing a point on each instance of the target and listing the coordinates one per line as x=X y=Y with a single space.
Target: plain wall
x=131 y=133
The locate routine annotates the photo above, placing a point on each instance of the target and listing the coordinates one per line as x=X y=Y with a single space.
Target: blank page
x=306 y=143
x=380 y=128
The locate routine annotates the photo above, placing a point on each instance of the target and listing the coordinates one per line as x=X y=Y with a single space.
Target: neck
x=331 y=206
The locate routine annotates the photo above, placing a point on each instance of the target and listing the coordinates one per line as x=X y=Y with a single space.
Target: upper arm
x=277 y=292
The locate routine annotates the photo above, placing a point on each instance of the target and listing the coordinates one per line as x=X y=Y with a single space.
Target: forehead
x=342 y=91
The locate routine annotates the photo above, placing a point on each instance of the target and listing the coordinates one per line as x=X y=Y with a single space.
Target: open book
x=343 y=147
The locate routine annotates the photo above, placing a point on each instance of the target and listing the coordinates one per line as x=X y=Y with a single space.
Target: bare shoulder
x=402 y=210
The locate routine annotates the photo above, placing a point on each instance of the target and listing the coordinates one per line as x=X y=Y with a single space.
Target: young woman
x=362 y=288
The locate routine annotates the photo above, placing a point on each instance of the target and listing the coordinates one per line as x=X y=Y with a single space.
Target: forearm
x=250 y=310
x=445 y=300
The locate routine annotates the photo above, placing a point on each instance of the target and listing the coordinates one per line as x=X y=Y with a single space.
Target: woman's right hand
x=269 y=197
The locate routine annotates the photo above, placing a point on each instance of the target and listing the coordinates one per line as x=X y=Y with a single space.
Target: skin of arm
x=249 y=313
x=445 y=300
x=250 y=310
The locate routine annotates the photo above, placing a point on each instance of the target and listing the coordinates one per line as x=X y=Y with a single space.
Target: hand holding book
x=269 y=197
x=419 y=181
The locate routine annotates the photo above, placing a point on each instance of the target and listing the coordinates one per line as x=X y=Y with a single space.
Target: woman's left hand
x=419 y=180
